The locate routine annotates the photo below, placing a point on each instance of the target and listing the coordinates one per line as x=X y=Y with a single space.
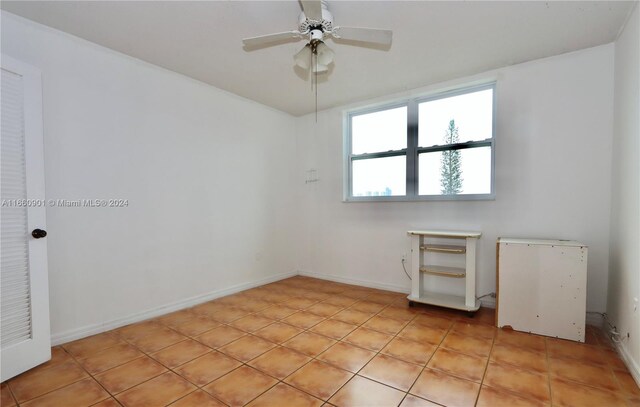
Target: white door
x=25 y=339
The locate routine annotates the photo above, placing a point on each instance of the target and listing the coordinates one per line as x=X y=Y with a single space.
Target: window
x=439 y=147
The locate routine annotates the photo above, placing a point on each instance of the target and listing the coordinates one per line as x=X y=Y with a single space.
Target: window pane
x=379 y=131
x=471 y=113
x=380 y=176
x=452 y=172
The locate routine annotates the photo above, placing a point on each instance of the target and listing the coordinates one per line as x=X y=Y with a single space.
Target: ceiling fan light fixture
x=303 y=57
x=319 y=68
x=324 y=54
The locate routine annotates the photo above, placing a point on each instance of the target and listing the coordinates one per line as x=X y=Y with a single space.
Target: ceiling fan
x=315 y=23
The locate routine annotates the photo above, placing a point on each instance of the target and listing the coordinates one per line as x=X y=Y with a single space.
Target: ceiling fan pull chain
x=316 y=88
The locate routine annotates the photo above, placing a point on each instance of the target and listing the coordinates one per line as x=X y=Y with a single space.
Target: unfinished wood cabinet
x=462 y=244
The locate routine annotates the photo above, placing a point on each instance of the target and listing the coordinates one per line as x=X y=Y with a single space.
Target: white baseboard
x=488 y=302
x=355 y=281
x=93 y=329
x=632 y=365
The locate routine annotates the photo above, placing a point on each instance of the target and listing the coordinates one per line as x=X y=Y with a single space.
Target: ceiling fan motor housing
x=324 y=25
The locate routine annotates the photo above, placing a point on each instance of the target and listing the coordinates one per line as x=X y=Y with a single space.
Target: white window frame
x=412 y=150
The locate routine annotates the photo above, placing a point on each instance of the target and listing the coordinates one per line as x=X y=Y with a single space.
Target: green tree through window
x=451 y=174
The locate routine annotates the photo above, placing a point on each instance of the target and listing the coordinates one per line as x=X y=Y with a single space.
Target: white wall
x=624 y=260
x=553 y=174
x=206 y=173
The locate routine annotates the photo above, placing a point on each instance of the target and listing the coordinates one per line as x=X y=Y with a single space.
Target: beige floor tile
x=37 y=382
x=368 y=339
x=303 y=320
x=247 y=348
x=458 y=364
x=367 y=306
x=340 y=300
x=526 y=383
x=254 y=305
x=392 y=372
x=155 y=342
x=584 y=373
x=278 y=332
x=333 y=328
x=207 y=368
x=445 y=389
x=220 y=336
x=469 y=345
x=571 y=394
x=251 y=323
x=363 y=392
x=285 y=395
x=351 y=316
x=177 y=318
x=197 y=326
x=180 y=353
x=130 y=374
x=423 y=334
x=490 y=397
x=6 y=398
x=519 y=339
x=110 y=358
x=469 y=329
x=299 y=303
x=83 y=393
x=93 y=344
x=346 y=356
x=110 y=402
x=198 y=398
x=228 y=314
x=240 y=386
x=267 y=327
x=520 y=357
x=385 y=325
x=433 y=321
x=324 y=310
x=159 y=391
x=139 y=330
x=413 y=401
x=319 y=379
x=399 y=313
x=277 y=312
x=563 y=349
x=409 y=351
x=279 y=362
x=627 y=384
x=309 y=343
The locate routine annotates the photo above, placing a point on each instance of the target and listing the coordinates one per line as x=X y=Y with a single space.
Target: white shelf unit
x=463 y=243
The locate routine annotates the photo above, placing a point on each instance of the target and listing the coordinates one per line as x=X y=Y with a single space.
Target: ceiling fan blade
x=364 y=34
x=312 y=9
x=270 y=38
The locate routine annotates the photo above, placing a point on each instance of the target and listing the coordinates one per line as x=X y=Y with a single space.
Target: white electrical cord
x=405 y=270
x=614 y=335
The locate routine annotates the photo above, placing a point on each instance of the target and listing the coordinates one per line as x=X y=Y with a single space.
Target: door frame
x=22 y=356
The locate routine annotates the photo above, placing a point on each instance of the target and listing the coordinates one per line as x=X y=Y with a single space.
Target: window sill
x=422 y=198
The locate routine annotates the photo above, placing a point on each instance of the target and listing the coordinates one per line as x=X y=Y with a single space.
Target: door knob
x=38 y=233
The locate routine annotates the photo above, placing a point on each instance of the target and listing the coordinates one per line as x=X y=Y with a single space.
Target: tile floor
x=309 y=342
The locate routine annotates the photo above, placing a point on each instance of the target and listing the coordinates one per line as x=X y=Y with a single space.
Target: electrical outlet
x=404 y=257
x=635 y=304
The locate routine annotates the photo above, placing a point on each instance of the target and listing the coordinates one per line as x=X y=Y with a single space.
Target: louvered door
x=24 y=304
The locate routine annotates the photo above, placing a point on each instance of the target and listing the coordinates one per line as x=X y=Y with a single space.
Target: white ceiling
x=433 y=41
